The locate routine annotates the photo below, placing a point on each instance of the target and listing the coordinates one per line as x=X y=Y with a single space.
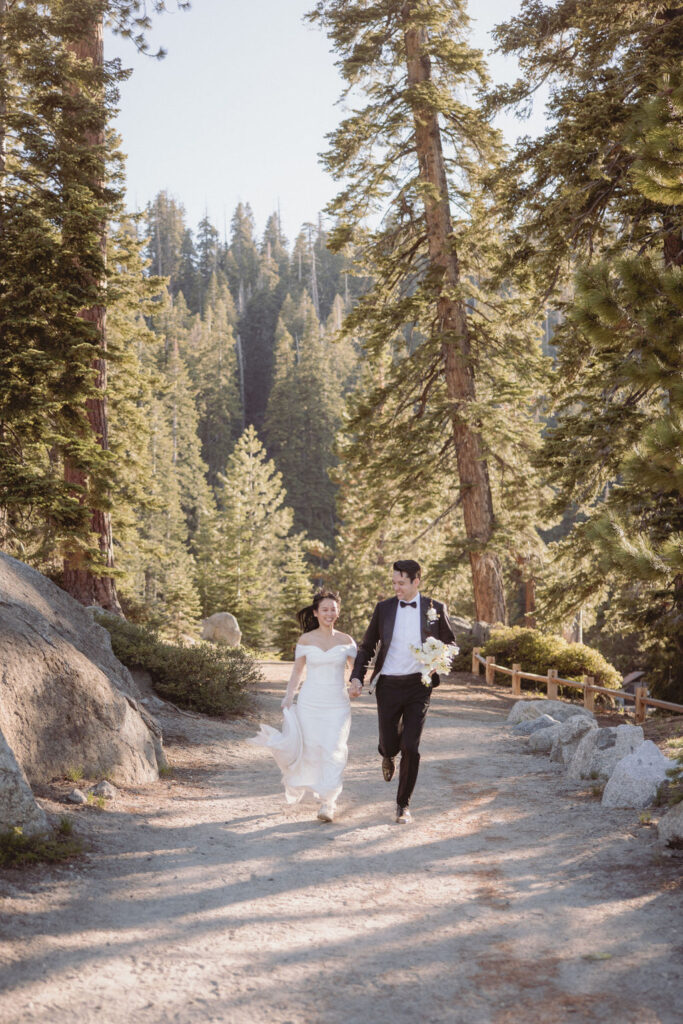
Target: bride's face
x=327 y=613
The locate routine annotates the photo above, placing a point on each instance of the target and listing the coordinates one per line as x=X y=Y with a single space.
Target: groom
x=402 y=698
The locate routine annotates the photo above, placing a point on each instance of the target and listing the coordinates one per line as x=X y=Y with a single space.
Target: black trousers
x=402 y=704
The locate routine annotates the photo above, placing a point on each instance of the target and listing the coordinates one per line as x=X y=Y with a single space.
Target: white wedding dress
x=311 y=750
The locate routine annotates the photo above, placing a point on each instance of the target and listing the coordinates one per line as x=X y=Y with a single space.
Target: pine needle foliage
x=55 y=193
x=599 y=197
x=408 y=431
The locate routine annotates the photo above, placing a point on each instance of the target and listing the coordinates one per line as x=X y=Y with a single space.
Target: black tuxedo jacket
x=380 y=631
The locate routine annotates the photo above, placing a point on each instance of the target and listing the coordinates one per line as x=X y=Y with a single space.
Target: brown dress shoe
x=388 y=768
x=403 y=815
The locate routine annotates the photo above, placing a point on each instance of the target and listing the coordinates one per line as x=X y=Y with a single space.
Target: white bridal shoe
x=326 y=812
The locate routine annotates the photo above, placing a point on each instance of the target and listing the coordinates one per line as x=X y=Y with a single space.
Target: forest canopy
x=473 y=357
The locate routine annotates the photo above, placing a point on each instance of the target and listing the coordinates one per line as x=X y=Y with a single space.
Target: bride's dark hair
x=307 y=619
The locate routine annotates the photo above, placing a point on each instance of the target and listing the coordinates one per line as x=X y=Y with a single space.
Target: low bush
x=462 y=662
x=537 y=652
x=205 y=677
x=20 y=851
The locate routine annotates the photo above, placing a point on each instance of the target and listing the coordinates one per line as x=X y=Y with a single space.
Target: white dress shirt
x=400 y=660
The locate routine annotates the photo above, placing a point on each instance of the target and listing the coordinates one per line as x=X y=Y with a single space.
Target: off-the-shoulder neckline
x=327 y=651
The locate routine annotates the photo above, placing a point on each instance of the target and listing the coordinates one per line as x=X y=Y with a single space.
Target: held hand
x=286 y=702
x=355 y=688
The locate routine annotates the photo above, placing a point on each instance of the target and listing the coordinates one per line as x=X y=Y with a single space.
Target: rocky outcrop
x=222 y=628
x=637 y=778
x=599 y=751
x=18 y=806
x=65 y=700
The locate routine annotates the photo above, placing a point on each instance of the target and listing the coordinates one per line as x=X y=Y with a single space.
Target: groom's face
x=405 y=588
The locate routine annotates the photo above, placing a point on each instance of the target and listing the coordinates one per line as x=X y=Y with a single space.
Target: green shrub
x=462 y=662
x=20 y=851
x=204 y=677
x=538 y=652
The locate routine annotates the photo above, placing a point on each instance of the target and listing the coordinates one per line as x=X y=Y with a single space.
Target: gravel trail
x=514 y=898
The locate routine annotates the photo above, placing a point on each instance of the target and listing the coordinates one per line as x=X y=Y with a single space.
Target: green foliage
x=538 y=652
x=253 y=526
x=462 y=662
x=295 y=595
x=304 y=414
x=599 y=197
x=56 y=193
x=20 y=851
x=205 y=677
x=407 y=432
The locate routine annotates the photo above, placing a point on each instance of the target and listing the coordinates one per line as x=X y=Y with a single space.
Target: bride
x=311 y=750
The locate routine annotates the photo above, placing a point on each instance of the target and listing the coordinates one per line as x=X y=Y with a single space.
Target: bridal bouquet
x=434 y=656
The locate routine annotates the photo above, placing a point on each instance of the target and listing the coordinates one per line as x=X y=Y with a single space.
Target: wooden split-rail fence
x=587 y=684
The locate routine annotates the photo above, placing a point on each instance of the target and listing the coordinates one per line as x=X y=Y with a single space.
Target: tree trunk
x=78 y=578
x=475 y=487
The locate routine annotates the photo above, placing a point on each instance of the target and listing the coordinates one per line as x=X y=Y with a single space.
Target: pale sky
x=240 y=106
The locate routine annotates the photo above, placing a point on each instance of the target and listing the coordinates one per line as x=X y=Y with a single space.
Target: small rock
x=533 y=725
x=569 y=737
x=541 y=742
x=104 y=789
x=599 y=751
x=637 y=777
x=76 y=796
x=670 y=827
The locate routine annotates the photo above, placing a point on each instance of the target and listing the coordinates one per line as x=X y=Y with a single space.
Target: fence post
x=588 y=694
x=551 y=685
x=516 y=680
x=476 y=665
x=641 y=707
x=490 y=670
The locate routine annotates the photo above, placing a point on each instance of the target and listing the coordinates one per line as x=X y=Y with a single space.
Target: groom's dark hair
x=409 y=567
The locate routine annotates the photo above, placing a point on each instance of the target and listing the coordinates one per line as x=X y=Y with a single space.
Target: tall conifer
x=253 y=525
x=414 y=155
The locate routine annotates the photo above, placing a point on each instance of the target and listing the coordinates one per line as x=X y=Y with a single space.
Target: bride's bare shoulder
x=348 y=639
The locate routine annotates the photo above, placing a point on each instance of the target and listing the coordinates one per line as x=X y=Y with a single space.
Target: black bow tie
x=408 y=604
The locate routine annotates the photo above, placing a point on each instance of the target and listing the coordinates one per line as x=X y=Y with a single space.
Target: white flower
x=432 y=614
x=434 y=656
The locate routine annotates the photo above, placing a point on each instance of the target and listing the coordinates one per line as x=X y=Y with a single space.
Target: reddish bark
x=78 y=578
x=475 y=487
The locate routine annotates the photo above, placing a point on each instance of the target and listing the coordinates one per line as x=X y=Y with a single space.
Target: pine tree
x=59 y=187
x=435 y=302
x=597 y=194
x=253 y=526
x=627 y=412
x=166 y=231
x=295 y=594
x=131 y=391
x=186 y=282
x=207 y=259
x=242 y=262
x=303 y=416
x=212 y=364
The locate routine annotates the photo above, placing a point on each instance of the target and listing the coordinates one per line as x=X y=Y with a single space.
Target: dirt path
x=514 y=898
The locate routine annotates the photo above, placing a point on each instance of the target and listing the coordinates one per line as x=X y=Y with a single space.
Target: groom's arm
x=366 y=648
